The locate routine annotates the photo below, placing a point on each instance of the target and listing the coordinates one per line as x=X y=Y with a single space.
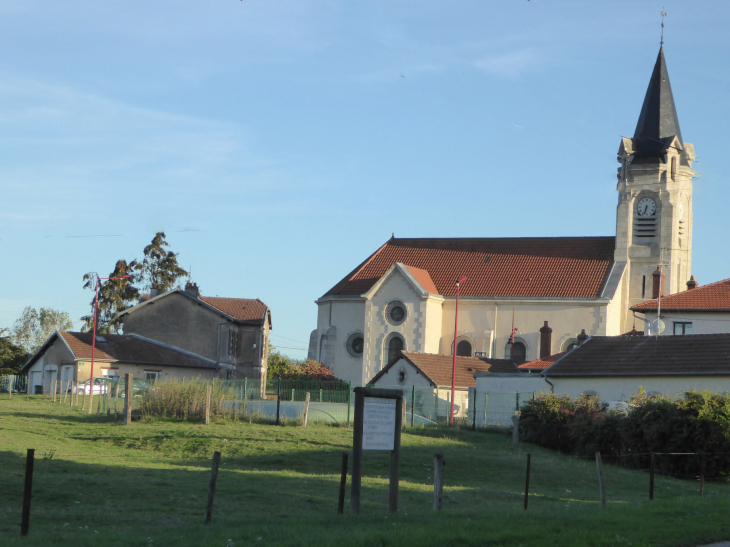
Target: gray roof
x=658 y=122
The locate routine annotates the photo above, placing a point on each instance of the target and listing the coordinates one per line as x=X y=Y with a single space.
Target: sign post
x=378 y=420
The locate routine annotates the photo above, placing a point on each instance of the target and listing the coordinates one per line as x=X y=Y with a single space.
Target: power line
x=290 y=339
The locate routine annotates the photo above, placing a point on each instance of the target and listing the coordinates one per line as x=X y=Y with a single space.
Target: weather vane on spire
x=664 y=14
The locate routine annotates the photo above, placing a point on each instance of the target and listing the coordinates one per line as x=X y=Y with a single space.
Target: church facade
x=403 y=296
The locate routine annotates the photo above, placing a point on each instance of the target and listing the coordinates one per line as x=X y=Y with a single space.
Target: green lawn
x=99 y=483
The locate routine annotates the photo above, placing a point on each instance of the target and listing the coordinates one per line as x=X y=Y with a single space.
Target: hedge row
x=698 y=423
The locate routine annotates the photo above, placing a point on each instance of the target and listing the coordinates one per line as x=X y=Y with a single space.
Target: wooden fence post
x=651 y=477
x=527 y=481
x=128 y=378
x=343 y=484
x=208 y=393
x=27 y=388
x=306 y=410
x=101 y=396
x=356 y=482
x=278 y=402
x=438 y=481
x=601 y=480
x=43 y=386
x=516 y=428
x=211 y=486
x=83 y=400
x=27 y=492
x=53 y=391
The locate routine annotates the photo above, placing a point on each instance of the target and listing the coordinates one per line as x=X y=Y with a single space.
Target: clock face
x=681 y=211
x=646 y=207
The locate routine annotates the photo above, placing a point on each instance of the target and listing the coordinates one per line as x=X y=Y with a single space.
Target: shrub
x=696 y=423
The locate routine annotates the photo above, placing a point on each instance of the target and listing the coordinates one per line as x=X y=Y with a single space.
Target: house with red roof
x=232 y=332
x=698 y=310
x=403 y=296
x=67 y=357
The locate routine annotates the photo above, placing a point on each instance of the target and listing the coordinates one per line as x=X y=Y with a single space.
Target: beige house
x=66 y=357
x=403 y=296
x=231 y=332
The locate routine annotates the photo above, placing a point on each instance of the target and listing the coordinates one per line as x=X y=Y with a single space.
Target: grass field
x=99 y=483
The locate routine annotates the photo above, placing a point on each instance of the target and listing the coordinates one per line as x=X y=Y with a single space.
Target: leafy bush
x=185 y=399
x=697 y=423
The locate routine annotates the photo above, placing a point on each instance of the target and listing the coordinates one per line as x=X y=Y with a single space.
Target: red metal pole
x=453 y=365
x=93 y=333
x=93 y=343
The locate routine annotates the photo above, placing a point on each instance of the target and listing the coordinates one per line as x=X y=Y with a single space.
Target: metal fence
x=13 y=383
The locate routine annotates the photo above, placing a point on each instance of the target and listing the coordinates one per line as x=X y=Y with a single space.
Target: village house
x=231 y=332
x=66 y=357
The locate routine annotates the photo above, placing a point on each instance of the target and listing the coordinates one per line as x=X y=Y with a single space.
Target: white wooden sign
x=378 y=424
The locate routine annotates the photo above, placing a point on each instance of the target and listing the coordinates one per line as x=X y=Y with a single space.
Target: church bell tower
x=654 y=214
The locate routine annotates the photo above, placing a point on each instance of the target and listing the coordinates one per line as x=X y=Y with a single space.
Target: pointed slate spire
x=658 y=120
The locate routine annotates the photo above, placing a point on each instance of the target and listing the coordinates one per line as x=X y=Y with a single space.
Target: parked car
x=100 y=386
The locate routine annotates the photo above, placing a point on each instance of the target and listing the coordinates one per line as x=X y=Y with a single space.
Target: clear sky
x=279 y=143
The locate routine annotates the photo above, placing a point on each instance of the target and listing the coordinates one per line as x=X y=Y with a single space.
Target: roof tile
x=710 y=297
x=520 y=267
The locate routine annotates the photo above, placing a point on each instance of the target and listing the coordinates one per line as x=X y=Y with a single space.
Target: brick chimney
x=546 y=340
x=692 y=283
x=658 y=277
x=582 y=337
x=192 y=289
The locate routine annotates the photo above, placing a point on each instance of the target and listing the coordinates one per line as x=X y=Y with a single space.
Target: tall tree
x=115 y=295
x=159 y=267
x=34 y=327
x=12 y=357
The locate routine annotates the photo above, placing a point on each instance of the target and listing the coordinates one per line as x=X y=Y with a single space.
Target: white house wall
x=622 y=388
x=49 y=364
x=702 y=322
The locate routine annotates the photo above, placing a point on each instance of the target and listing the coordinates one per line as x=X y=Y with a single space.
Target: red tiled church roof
x=424 y=278
x=242 y=309
x=710 y=297
x=522 y=267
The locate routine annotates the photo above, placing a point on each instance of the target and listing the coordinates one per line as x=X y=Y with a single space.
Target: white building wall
x=702 y=322
x=622 y=388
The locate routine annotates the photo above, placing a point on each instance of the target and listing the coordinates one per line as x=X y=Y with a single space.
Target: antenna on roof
x=664 y=14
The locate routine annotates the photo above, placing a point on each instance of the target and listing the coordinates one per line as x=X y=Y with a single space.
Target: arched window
x=570 y=344
x=463 y=349
x=395 y=345
x=517 y=352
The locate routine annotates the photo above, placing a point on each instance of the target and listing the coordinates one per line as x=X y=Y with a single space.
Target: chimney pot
x=658 y=286
x=546 y=342
x=192 y=289
x=692 y=283
x=582 y=337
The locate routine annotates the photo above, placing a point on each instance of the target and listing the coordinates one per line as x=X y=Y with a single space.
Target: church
x=404 y=295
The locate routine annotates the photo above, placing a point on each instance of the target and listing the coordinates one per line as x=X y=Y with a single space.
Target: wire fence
x=13 y=384
x=277 y=400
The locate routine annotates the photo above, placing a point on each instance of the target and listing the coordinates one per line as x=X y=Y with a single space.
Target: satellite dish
x=657 y=327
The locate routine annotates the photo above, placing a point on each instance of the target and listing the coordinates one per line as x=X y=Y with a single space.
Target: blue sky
x=278 y=144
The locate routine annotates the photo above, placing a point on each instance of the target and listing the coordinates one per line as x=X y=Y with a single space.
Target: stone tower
x=654 y=213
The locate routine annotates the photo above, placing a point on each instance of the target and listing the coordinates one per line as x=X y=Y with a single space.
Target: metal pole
x=93 y=342
x=453 y=364
x=349 y=401
x=413 y=404
x=278 y=401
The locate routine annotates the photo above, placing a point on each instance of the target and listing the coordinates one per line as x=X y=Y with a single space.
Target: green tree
x=12 y=357
x=159 y=268
x=115 y=295
x=34 y=327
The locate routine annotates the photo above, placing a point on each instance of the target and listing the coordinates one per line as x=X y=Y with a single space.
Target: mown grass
x=99 y=483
